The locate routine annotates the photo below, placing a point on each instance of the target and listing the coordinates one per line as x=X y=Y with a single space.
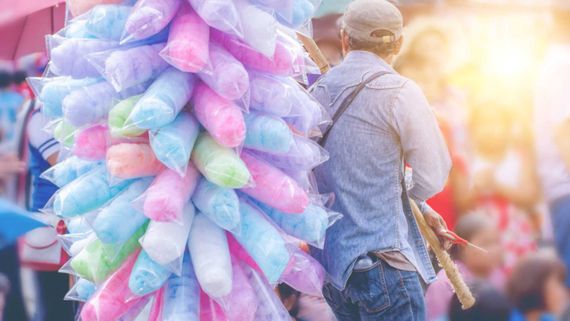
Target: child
x=473 y=264
x=491 y=305
x=4 y=289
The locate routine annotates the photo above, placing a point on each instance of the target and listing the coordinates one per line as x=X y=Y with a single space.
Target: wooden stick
x=461 y=289
x=314 y=52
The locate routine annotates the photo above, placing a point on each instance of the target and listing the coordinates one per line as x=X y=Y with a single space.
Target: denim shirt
x=390 y=123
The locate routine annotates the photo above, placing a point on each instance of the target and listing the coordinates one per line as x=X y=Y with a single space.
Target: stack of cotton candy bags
x=188 y=188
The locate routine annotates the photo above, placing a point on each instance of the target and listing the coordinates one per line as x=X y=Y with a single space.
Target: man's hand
x=438 y=225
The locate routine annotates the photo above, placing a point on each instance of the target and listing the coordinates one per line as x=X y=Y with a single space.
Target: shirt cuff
x=424 y=207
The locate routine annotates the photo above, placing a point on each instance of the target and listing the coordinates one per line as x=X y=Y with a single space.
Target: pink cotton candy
x=113 y=299
x=155 y=313
x=132 y=160
x=241 y=303
x=210 y=310
x=169 y=193
x=188 y=41
x=273 y=187
x=222 y=118
x=91 y=143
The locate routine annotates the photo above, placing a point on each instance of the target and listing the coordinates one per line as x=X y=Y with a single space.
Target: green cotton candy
x=118 y=116
x=64 y=133
x=219 y=164
x=97 y=261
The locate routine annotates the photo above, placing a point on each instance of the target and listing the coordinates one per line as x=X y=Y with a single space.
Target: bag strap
x=347 y=102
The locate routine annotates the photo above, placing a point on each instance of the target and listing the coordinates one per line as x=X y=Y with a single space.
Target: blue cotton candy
x=303 y=10
x=106 y=21
x=173 y=143
x=84 y=290
x=182 y=295
x=163 y=100
x=69 y=170
x=78 y=29
x=267 y=133
x=219 y=204
x=147 y=276
x=53 y=93
x=86 y=194
x=119 y=220
x=262 y=241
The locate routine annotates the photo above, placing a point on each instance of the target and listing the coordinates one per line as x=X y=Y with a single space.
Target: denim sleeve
x=422 y=142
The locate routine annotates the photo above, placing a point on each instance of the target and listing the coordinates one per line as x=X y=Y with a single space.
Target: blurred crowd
x=480 y=69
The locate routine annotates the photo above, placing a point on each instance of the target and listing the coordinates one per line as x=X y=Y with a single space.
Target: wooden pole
x=314 y=52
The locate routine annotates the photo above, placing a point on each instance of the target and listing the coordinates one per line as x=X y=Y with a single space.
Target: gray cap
x=363 y=17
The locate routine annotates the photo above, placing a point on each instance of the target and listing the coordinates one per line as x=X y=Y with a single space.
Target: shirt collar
x=368 y=58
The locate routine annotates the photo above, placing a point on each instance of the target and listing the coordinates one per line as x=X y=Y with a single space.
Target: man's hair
x=386 y=47
x=4 y=284
x=467 y=227
x=490 y=305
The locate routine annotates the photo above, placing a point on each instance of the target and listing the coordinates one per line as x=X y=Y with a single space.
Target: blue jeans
x=378 y=293
x=560 y=212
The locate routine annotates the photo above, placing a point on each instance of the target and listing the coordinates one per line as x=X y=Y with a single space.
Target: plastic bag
x=210 y=257
x=270 y=94
x=188 y=41
x=220 y=165
x=64 y=133
x=210 y=310
x=118 y=116
x=77 y=29
x=86 y=193
x=169 y=193
x=97 y=261
x=117 y=221
x=132 y=161
x=147 y=276
x=259 y=28
x=165 y=242
x=225 y=74
x=302 y=13
x=91 y=143
x=283 y=8
x=52 y=91
x=241 y=303
x=79 y=7
x=148 y=18
x=262 y=241
x=68 y=57
x=270 y=307
x=307 y=114
x=304 y=273
x=219 y=204
x=304 y=154
x=173 y=143
x=68 y=170
x=125 y=68
x=113 y=299
x=222 y=118
x=81 y=291
x=182 y=295
x=273 y=187
x=267 y=133
x=163 y=100
x=219 y=14
x=107 y=21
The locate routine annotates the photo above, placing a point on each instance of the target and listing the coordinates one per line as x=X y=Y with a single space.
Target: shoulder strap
x=347 y=102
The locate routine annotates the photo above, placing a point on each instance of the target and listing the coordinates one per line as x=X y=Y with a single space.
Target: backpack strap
x=347 y=102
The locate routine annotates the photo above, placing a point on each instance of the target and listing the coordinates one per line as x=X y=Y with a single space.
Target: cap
x=363 y=17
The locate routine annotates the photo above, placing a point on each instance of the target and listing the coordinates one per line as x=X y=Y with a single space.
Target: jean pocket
x=368 y=288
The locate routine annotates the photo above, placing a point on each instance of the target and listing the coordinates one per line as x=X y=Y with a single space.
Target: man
x=552 y=128
x=375 y=252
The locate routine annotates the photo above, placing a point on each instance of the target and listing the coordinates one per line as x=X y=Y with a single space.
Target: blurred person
x=552 y=129
x=490 y=305
x=536 y=288
x=503 y=180
x=473 y=264
x=4 y=291
x=10 y=165
x=10 y=101
x=375 y=254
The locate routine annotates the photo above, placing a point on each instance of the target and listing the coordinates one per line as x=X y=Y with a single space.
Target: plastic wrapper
x=79 y=7
x=307 y=114
x=114 y=298
x=77 y=29
x=271 y=94
x=119 y=220
x=91 y=143
x=225 y=74
x=302 y=12
x=267 y=133
x=283 y=8
x=86 y=193
x=241 y=303
x=69 y=57
x=118 y=116
x=81 y=291
x=259 y=27
x=107 y=21
x=147 y=276
x=262 y=241
x=52 y=91
x=68 y=170
x=97 y=261
x=129 y=67
x=304 y=154
x=165 y=98
x=73 y=244
x=64 y=133
x=77 y=225
x=182 y=295
x=221 y=117
x=219 y=14
x=210 y=310
x=188 y=41
x=132 y=161
x=173 y=143
x=273 y=187
x=210 y=257
x=169 y=193
x=165 y=242
x=219 y=204
x=270 y=307
x=148 y=18
x=304 y=273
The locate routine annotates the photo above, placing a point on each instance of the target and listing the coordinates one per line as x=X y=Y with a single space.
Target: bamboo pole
x=314 y=52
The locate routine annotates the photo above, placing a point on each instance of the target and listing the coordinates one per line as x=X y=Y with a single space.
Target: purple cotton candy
x=70 y=57
x=148 y=18
x=304 y=273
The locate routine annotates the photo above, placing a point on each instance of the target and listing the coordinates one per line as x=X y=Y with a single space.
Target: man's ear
x=399 y=44
x=344 y=42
